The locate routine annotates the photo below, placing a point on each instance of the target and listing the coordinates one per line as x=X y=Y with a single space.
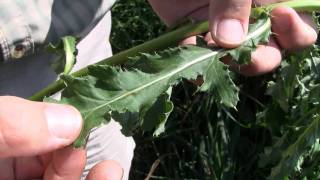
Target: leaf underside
x=136 y=95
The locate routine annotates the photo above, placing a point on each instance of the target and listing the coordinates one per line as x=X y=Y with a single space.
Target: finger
x=46 y=159
x=209 y=40
x=229 y=21
x=189 y=41
x=293 y=32
x=29 y=128
x=67 y=163
x=28 y=168
x=6 y=168
x=172 y=11
x=265 y=59
x=106 y=170
x=193 y=40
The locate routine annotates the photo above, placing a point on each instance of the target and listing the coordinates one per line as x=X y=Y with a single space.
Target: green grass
x=133 y=23
x=205 y=140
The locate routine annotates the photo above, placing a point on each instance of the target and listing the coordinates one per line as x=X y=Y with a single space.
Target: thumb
x=31 y=128
x=229 y=21
x=108 y=169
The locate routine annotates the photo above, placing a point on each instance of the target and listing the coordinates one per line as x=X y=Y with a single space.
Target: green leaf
x=67 y=52
x=132 y=94
x=294 y=119
x=282 y=91
x=135 y=94
x=293 y=154
x=111 y=89
x=153 y=120
x=128 y=120
x=157 y=116
x=218 y=82
x=82 y=94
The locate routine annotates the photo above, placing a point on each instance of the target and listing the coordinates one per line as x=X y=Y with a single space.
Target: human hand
x=229 y=21
x=34 y=139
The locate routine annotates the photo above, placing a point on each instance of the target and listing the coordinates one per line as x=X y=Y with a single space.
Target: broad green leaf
x=111 y=89
x=83 y=95
x=129 y=121
x=157 y=116
x=153 y=120
x=134 y=94
x=218 y=82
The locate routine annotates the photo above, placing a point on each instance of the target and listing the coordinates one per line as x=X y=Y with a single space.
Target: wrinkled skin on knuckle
x=14 y=123
x=11 y=139
x=237 y=9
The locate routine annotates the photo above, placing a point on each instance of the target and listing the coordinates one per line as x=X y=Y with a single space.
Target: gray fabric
x=108 y=143
x=45 y=21
x=25 y=25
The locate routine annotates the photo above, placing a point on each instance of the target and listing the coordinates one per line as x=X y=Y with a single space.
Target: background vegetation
x=274 y=132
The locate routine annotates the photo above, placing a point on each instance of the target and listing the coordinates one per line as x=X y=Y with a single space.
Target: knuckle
x=12 y=131
x=11 y=139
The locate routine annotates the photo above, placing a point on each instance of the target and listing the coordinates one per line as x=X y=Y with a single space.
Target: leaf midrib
x=165 y=76
x=254 y=34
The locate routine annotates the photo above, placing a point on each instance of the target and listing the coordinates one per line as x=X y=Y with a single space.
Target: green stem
x=170 y=39
x=299 y=5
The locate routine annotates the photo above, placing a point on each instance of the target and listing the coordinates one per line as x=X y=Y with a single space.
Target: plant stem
x=299 y=5
x=170 y=39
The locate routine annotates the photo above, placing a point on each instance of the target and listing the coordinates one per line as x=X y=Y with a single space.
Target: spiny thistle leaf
x=296 y=94
x=282 y=91
x=135 y=95
x=134 y=92
x=157 y=116
x=217 y=81
x=154 y=119
x=292 y=155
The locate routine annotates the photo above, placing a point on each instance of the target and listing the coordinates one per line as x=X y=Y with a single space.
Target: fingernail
x=64 y=122
x=230 y=31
